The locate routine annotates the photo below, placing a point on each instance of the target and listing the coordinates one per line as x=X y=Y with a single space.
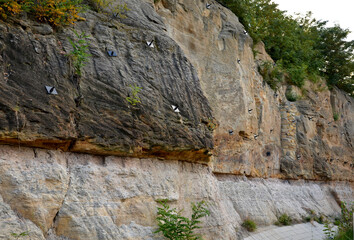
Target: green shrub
x=54 y=12
x=335 y=116
x=345 y=224
x=336 y=221
x=344 y=235
x=111 y=6
x=313 y=217
x=134 y=98
x=272 y=74
x=284 y=219
x=19 y=235
x=297 y=74
x=176 y=227
x=79 y=53
x=249 y=225
x=291 y=96
x=307 y=219
x=307 y=48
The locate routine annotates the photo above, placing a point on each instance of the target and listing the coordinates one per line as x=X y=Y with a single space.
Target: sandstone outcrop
x=91 y=114
x=80 y=196
x=265 y=141
x=86 y=164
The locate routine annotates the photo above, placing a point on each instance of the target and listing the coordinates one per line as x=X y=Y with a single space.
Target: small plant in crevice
x=174 y=226
x=335 y=116
x=133 y=99
x=291 y=96
x=272 y=74
x=112 y=7
x=79 y=55
x=345 y=224
x=329 y=230
x=19 y=235
x=211 y=124
x=284 y=220
x=249 y=225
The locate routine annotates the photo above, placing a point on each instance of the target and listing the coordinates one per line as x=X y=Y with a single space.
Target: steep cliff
x=97 y=165
x=272 y=137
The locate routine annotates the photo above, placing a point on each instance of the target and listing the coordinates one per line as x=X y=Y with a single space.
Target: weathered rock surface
x=270 y=135
x=80 y=196
x=213 y=41
x=198 y=52
x=104 y=122
x=229 y=118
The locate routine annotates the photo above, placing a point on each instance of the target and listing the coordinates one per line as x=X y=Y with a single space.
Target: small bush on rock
x=176 y=227
x=272 y=74
x=19 y=235
x=134 y=98
x=292 y=97
x=284 y=220
x=249 y=225
x=54 y=12
x=111 y=7
x=79 y=53
x=345 y=227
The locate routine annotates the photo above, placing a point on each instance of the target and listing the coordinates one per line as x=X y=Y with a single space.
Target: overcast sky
x=336 y=11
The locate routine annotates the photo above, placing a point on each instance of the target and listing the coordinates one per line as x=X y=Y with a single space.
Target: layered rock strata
x=259 y=132
x=235 y=142
x=57 y=195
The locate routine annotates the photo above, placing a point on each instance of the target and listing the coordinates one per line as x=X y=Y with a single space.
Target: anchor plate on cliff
x=51 y=90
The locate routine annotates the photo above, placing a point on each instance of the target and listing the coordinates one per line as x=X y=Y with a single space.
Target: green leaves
x=304 y=45
x=339 y=57
x=79 y=53
x=345 y=227
x=176 y=227
x=134 y=99
x=19 y=235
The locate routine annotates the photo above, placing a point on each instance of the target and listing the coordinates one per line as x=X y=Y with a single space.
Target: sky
x=336 y=11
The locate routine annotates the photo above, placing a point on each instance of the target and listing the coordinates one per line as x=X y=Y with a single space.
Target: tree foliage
x=302 y=45
x=54 y=12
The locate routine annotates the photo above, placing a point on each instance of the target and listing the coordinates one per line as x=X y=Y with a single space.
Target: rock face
x=80 y=196
x=271 y=137
x=91 y=113
x=98 y=164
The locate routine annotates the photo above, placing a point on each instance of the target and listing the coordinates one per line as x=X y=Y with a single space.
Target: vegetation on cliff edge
x=302 y=46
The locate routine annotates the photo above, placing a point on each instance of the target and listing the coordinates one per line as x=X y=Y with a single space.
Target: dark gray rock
x=91 y=113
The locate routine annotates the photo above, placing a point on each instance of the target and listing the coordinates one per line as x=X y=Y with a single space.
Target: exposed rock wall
x=271 y=136
x=109 y=162
x=213 y=41
x=223 y=102
x=55 y=194
x=91 y=113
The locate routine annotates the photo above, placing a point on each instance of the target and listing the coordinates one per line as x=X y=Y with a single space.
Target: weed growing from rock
x=272 y=74
x=284 y=220
x=345 y=224
x=292 y=97
x=19 y=235
x=176 y=227
x=111 y=6
x=134 y=98
x=249 y=225
x=79 y=53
